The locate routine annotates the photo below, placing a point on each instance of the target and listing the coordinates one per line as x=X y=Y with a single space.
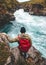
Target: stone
x=15 y=57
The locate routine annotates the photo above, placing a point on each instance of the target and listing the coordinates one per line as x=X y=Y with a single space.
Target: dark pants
x=23 y=54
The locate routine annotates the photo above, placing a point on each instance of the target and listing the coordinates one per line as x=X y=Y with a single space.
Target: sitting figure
x=24 y=42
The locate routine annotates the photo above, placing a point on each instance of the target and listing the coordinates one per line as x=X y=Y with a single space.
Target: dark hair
x=22 y=30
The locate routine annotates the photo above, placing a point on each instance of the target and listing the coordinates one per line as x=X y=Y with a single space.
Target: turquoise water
x=35 y=26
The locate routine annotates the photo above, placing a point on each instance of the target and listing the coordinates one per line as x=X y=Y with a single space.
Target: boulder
x=5 y=16
x=12 y=56
x=4 y=49
x=34 y=58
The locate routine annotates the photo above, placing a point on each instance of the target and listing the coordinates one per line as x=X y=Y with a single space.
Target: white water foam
x=36 y=28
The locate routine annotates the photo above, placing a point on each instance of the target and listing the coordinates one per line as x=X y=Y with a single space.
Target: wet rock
x=5 y=15
x=5 y=18
x=35 y=9
x=10 y=16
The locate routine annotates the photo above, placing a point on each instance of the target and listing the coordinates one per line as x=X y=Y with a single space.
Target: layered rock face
x=8 y=7
x=5 y=14
x=12 y=56
x=4 y=49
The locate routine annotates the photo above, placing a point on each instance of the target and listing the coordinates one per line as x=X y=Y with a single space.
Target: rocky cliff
x=8 y=4
x=12 y=56
x=42 y=2
x=8 y=7
x=13 y=5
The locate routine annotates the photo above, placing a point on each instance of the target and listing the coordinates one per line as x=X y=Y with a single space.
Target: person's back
x=24 y=41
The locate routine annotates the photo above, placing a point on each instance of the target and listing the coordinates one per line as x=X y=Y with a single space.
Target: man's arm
x=12 y=39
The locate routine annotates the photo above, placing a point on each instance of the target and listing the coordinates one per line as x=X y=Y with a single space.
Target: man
x=24 y=42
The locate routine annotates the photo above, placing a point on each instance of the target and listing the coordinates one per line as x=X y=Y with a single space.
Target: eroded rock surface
x=15 y=58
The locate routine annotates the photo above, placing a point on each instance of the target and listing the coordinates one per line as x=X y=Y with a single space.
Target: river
x=35 y=26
